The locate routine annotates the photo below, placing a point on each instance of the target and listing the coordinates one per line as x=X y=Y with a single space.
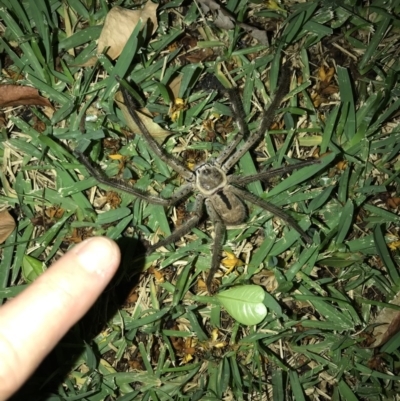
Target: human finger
x=33 y=322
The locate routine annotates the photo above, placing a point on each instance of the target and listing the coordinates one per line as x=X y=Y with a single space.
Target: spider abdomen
x=228 y=206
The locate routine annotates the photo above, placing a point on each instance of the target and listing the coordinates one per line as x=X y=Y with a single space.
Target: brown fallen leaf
x=388 y=324
x=175 y=85
x=325 y=86
x=7 y=225
x=341 y=165
x=256 y=33
x=231 y=261
x=48 y=217
x=222 y=18
x=119 y=25
x=158 y=133
x=198 y=55
x=158 y=275
x=177 y=108
x=18 y=95
x=267 y=279
x=273 y=5
x=54 y=212
x=393 y=203
x=225 y=20
x=393 y=246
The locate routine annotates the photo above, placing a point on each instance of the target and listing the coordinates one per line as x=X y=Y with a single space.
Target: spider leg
x=267 y=119
x=183 y=229
x=272 y=209
x=175 y=164
x=263 y=175
x=181 y=193
x=238 y=114
x=219 y=229
x=123 y=187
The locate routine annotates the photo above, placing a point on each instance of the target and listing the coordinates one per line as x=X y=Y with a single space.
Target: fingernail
x=97 y=255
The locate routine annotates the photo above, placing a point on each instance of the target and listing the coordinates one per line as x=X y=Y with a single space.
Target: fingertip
x=33 y=322
x=98 y=255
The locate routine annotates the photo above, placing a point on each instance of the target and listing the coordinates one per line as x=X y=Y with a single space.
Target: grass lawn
x=156 y=334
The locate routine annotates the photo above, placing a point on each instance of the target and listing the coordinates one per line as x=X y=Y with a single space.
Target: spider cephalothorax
x=209 y=179
x=212 y=182
x=222 y=194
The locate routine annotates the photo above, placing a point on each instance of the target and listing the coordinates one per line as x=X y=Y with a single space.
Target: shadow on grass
x=47 y=381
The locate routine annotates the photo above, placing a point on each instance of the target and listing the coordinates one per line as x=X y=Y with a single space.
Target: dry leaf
x=54 y=212
x=389 y=324
x=257 y=34
x=181 y=215
x=273 y=5
x=225 y=20
x=341 y=165
x=177 y=108
x=192 y=54
x=38 y=124
x=214 y=341
x=231 y=261
x=133 y=296
x=325 y=87
x=267 y=279
x=76 y=236
x=175 y=85
x=113 y=199
x=208 y=5
x=158 y=133
x=393 y=246
x=112 y=144
x=201 y=285
x=158 y=275
x=7 y=225
x=190 y=344
x=393 y=203
x=17 y=95
x=116 y=156
x=119 y=25
x=188 y=42
x=198 y=55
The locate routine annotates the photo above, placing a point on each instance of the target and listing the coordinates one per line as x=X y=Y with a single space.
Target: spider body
x=229 y=207
x=209 y=179
x=222 y=194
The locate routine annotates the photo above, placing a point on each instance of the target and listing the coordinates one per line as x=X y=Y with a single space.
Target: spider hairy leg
x=267 y=120
x=121 y=186
x=219 y=229
x=272 y=209
x=182 y=230
x=239 y=116
x=264 y=175
x=175 y=164
x=117 y=184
